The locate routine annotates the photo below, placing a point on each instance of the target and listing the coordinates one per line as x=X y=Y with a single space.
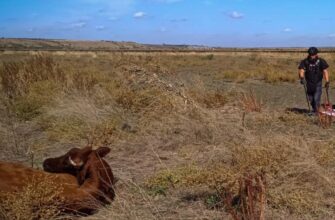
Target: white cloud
x=287 y=30
x=113 y=18
x=178 y=20
x=236 y=15
x=331 y=35
x=100 y=27
x=163 y=29
x=78 y=25
x=111 y=7
x=139 y=14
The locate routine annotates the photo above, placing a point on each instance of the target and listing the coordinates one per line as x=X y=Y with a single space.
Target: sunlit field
x=185 y=129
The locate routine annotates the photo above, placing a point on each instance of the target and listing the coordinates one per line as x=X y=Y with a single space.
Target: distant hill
x=14 y=44
x=48 y=44
x=54 y=44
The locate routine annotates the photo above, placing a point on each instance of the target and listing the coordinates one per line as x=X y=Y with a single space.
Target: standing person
x=311 y=72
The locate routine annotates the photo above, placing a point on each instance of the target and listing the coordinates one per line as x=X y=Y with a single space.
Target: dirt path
x=279 y=96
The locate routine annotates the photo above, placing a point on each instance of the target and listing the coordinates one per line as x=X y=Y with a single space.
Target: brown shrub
x=250 y=201
x=210 y=99
x=250 y=103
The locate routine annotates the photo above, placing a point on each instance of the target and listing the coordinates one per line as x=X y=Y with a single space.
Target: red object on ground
x=327 y=109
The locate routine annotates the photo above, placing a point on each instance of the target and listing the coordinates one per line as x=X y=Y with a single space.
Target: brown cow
x=82 y=163
x=93 y=171
x=71 y=162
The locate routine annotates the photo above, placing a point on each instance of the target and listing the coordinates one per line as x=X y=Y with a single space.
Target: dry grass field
x=184 y=129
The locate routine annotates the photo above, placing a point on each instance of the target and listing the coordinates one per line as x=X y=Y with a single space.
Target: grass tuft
x=37 y=200
x=250 y=103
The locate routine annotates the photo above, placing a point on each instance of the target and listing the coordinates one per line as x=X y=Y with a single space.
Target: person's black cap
x=312 y=51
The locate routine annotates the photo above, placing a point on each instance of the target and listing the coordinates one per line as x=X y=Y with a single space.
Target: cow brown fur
x=95 y=177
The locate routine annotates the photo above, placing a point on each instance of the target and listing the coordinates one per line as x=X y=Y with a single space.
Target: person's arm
x=301 y=73
x=326 y=75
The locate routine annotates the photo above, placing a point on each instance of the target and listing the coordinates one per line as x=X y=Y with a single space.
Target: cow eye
x=66 y=162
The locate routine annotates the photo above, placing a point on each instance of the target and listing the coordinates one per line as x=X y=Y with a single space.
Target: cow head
x=70 y=163
x=86 y=164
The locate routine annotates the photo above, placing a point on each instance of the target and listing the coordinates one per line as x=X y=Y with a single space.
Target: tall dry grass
x=17 y=77
x=174 y=124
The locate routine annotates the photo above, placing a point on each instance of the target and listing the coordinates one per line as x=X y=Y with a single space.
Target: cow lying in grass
x=86 y=184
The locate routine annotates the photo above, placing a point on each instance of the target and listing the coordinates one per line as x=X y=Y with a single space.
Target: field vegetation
x=189 y=132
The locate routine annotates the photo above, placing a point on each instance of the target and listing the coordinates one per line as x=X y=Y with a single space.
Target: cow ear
x=102 y=151
x=85 y=152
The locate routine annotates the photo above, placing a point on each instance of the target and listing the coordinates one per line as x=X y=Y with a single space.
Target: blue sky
x=227 y=23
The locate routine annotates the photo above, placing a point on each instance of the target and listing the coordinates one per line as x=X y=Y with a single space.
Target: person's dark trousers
x=314 y=93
